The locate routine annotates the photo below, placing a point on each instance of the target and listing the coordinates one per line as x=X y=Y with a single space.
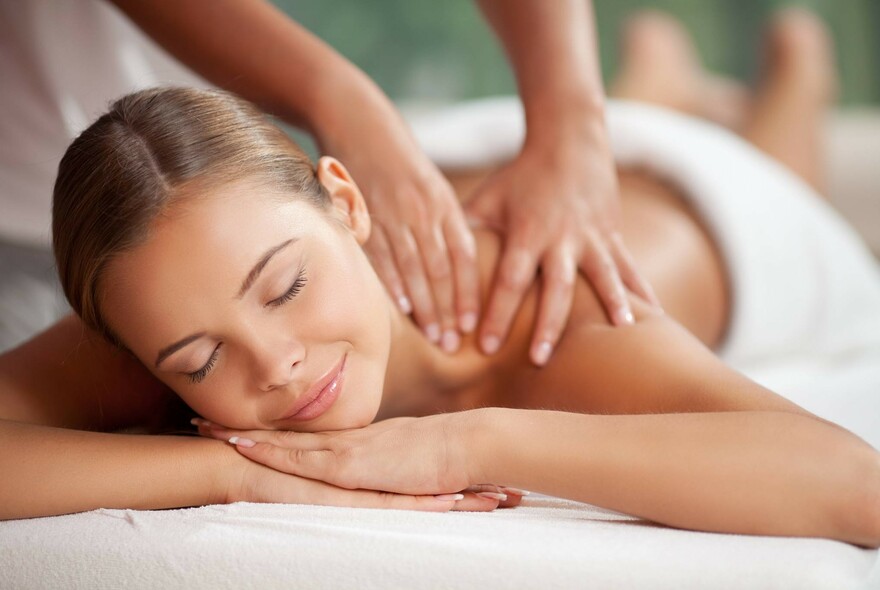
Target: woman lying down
x=206 y=258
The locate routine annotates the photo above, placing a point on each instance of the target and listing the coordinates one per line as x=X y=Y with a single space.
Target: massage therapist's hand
x=420 y=243
x=557 y=207
x=418 y=456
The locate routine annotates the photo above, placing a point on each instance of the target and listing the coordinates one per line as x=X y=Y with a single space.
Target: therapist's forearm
x=252 y=48
x=49 y=471
x=554 y=52
x=763 y=473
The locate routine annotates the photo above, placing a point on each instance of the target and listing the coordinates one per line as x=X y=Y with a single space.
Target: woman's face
x=248 y=303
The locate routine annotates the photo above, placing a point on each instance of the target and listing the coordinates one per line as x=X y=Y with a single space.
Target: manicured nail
x=492 y=495
x=450 y=341
x=200 y=422
x=241 y=442
x=404 y=304
x=542 y=353
x=468 y=322
x=491 y=344
x=515 y=491
x=628 y=317
x=433 y=333
x=447 y=497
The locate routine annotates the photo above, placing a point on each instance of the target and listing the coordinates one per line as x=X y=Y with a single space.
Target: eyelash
x=197 y=376
x=295 y=288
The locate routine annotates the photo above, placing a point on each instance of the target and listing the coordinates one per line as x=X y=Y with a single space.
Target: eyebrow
x=260 y=265
x=248 y=282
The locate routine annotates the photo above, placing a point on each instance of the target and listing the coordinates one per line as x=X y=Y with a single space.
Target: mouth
x=320 y=396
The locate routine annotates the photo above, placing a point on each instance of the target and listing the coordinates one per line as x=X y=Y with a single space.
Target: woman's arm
x=752 y=472
x=49 y=471
x=748 y=472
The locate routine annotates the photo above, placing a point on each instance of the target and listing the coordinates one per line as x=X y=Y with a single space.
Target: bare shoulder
x=654 y=366
x=70 y=377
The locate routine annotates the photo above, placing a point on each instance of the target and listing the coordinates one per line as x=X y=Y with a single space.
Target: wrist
x=575 y=124
x=484 y=444
x=226 y=473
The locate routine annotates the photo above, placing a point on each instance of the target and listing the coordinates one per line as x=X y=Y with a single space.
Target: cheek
x=226 y=397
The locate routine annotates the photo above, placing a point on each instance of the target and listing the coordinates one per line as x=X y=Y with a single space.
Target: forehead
x=198 y=252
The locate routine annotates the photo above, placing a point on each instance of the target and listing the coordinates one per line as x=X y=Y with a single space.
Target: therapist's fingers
x=383 y=261
x=463 y=252
x=601 y=271
x=632 y=278
x=514 y=276
x=410 y=265
x=559 y=273
x=438 y=268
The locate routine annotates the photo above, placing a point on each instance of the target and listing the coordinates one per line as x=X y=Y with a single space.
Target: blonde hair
x=135 y=160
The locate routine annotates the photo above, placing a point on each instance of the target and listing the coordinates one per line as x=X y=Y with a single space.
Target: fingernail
x=628 y=317
x=200 y=422
x=241 y=442
x=516 y=491
x=468 y=322
x=492 y=495
x=404 y=304
x=491 y=344
x=542 y=353
x=447 y=497
x=433 y=333
x=450 y=341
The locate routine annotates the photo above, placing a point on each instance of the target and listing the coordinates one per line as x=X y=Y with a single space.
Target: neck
x=422 y=379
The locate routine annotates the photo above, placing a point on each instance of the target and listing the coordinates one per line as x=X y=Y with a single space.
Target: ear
x=348 y=202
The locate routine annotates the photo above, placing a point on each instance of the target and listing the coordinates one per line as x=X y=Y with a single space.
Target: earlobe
x=346 y=198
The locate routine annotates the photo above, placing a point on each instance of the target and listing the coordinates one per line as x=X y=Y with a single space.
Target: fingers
x=391 y=501
x=514 y=276
x=463 y=251
x=601 y=271
x=438 y=269
x=409 y=263
x=313 y=463
x=629 y=271
x=506 y=497
x=559 y=275
x=383 y=261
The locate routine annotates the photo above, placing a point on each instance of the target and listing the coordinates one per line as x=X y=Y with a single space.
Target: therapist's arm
x=557 y=202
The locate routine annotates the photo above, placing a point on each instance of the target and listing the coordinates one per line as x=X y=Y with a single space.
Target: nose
x=275 y=358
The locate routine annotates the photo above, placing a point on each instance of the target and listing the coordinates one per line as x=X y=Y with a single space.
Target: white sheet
x=545 y=543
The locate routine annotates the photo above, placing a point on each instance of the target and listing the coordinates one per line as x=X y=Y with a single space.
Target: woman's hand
x=253 y=482
x=418 y=456
x=557 y=206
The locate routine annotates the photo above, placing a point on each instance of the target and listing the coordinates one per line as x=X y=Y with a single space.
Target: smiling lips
x=320 y=396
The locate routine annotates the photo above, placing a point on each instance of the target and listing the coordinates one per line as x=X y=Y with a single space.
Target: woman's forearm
x=764 y=473
x=49 y=471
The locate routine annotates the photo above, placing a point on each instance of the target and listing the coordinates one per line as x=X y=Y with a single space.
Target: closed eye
x=198 y=376
x=292 y=292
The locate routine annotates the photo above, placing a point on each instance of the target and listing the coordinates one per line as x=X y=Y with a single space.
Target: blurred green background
x=432 y=51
